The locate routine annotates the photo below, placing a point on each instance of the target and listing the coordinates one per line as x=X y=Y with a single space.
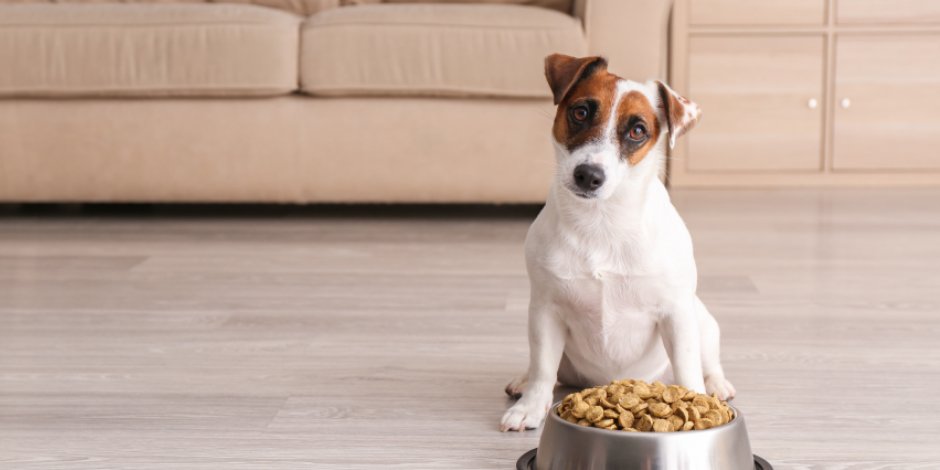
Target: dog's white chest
x=606 y=304
x=612 y=327
x=608 y=296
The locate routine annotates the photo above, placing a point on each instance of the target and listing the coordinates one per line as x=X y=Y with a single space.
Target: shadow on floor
x=263 y=211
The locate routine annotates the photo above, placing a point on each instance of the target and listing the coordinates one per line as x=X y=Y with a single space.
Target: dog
x=610 y=264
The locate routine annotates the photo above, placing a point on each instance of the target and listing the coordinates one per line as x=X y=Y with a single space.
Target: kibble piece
x=604 y=423
x=645 y=424
x=704 y=423
x=625 y=420
x=726 y=414
x=642 y=390
x=688 y=426
x=629 y=400
x=658 y=388
x=701 y=401
x=714 y=416
x=662 y=425
x=611 y=413
x=676 y=421
x=672 y=394
x=638 y=408
x=682 y=413
x=580 y=409
x=713 y=401
x=661 y=410
x=595 y=414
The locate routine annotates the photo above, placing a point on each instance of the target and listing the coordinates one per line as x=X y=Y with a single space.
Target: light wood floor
x=344 y=342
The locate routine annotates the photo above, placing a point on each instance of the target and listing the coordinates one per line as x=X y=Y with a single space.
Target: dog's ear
x=681 y=114
x=563 y=72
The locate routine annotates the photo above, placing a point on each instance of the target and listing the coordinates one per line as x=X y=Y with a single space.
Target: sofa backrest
x=565 y=6
x=309 y=7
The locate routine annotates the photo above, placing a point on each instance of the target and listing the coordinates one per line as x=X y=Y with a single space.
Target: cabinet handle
x=845 y=103
x=812 y=103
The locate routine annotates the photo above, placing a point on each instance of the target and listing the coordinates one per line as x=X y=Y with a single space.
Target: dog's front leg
x=546 y=346
x=680 y=332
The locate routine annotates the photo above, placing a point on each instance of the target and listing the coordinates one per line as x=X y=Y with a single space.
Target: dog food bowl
x=565 y=446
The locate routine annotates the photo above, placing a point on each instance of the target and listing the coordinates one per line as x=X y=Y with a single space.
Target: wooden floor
x=353 y=342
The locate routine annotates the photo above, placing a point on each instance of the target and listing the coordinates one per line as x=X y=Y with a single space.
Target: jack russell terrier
x=609 y=259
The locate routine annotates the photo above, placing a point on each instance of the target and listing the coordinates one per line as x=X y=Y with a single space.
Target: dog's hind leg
x=516 y=387
x=715 y=381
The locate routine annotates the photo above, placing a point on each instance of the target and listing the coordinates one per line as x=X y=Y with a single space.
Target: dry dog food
x=634 y=405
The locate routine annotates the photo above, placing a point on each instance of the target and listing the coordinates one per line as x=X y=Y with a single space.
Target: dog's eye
x=580 y=113
x=637 y=133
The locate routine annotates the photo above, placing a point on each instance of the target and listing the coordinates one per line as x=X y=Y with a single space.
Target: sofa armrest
x=631 y=34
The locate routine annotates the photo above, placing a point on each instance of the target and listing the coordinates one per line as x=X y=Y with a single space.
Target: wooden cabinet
x=724 y=12
x=887 y=103
x=808 y=93
x=887 y=11
x=761 y=98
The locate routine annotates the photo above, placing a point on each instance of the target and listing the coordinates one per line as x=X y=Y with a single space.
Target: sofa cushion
x=433 y=49
x=146 y=50
x=297 y=7
x=565 y=6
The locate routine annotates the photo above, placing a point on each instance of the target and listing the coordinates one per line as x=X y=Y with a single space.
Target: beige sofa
x=295 y=100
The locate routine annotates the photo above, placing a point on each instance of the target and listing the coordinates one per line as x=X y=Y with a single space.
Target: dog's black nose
x=588 y=177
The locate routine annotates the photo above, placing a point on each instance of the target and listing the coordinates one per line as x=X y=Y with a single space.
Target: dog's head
x=608 y=130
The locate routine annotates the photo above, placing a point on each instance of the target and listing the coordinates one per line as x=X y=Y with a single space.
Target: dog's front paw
x=526 y=414
x=721 y=386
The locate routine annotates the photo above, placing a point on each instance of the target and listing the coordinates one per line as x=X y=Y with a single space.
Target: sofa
x=296 y=101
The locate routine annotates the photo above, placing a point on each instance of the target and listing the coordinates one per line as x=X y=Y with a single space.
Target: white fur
x=613 y=283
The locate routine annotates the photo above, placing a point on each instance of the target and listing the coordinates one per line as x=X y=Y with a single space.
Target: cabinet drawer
x=887 y=11
x=755 y=93
x=887 y=97
x=763 y=12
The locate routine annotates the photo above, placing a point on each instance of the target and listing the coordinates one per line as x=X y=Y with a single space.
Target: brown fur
x=633 y=106
x=600 y=86
x=563 y=72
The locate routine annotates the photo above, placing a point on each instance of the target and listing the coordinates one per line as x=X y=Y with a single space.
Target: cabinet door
x=887 y=102
x=761 y=98
x=887 y=11
x=764 y=12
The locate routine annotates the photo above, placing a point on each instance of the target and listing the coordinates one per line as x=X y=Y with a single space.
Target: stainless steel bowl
x=564 y=446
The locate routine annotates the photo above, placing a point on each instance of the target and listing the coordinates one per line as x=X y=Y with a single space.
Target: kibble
x=634 y=405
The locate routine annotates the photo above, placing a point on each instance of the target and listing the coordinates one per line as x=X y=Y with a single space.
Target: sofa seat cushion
x=434 y=50
x=147 y=50
x=298 y=7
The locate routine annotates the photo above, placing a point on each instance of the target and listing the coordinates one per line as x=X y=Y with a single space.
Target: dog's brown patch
x=635 y=109
x=598 y=91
